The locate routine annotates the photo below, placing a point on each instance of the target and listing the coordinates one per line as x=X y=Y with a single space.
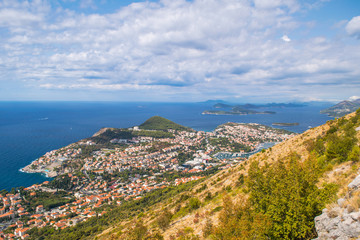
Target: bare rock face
x=341 y=222
x=355 y=184
x=342 y=227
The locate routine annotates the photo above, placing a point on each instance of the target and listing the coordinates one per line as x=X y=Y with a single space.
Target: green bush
x=194 y=203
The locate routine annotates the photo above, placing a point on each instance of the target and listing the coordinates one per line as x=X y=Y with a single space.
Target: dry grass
x=340 y=174
x=353 y=203
x=334 y=210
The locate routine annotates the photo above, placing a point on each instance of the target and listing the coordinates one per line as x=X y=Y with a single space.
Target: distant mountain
x=222 y=105
x=342 y=108
x=281 y=105
x=214 y=101
x=163 y=124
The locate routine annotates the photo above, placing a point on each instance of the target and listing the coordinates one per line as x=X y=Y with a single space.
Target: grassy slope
x=226 y=183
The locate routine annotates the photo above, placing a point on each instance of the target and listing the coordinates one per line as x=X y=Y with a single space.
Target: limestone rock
x=341 y=222
x=355 y=184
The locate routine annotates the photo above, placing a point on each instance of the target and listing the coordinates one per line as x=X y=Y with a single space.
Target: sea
x=30 y=129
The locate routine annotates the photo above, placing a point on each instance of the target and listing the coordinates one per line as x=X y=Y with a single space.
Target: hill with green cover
x=163 y=124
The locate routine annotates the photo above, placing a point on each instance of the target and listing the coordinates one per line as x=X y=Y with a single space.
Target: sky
x=179 y=51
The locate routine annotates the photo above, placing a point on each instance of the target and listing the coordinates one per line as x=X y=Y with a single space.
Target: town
x=108 y=169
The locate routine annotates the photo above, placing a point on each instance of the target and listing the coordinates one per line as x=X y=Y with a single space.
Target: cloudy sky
x=178 y=50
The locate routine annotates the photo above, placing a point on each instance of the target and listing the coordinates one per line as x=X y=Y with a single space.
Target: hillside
x=229 y=205
x=276 y=194
x=342 y=108
x=163 y=124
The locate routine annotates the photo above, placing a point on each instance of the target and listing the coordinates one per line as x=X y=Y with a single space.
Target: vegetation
x=110 y=134
x=339 y=143
x=154 y=134
x=48 y=200
x=287 y=194
x=163 y=124
x=164 y=219
x=62 y=182
x=239 y=221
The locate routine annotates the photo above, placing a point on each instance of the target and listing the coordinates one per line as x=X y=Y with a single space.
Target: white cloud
x=354 y=98
x=207 y=48
x=353 y=27
x=285 y=38
x=17 y=17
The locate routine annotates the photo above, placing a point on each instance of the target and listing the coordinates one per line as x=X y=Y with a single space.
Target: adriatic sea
x=30 y=129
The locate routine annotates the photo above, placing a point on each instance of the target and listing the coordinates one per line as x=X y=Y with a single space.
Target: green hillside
x=160 y=123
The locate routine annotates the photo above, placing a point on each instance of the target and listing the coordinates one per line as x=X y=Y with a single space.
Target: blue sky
x=177 y=50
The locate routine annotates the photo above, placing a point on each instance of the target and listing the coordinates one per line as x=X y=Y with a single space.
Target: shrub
x=194 y=203
x=163 y=220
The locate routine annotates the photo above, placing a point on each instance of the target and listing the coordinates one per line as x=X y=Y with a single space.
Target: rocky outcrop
x=338 y=223
x=355 y=184
x=342 y=220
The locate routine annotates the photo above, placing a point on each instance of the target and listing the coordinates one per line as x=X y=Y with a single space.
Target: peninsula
x=342 y=108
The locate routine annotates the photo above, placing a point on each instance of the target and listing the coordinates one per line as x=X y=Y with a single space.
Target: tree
x=194 y=203
x=240 y=221
x=288 y=195
x=354 y=154
x=164 y=219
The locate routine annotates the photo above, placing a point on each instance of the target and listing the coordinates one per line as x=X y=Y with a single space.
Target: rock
x=355 y=184
x=340 y=222
x=355 y=216
x=340 y=226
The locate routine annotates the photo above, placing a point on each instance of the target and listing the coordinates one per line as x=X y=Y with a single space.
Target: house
x=39 y=209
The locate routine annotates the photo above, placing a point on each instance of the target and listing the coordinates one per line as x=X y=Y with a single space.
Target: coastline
x=285 y=124
x=14 y=165
x=47 y=173
x=234 y=113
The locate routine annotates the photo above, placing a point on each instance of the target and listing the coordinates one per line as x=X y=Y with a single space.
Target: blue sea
x=30 y=129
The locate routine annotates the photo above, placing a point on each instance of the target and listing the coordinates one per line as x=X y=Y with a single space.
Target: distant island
x=245 y=109
x=285 y=124
x=342 y=108
x=239 y=112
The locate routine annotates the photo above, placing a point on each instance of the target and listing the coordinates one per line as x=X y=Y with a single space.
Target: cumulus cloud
x=353 y=27
x=285 y=38
x=354 y=98
x=175 y=47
